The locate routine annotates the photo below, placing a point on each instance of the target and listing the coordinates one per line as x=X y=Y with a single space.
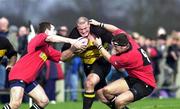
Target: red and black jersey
x=29 y=65
x=135 y=61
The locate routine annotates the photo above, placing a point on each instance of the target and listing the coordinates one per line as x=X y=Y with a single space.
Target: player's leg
x=16 y=95
x=128 y=90
x=38 y=95
x=95 y=80
x=115 y=88
x=89 y=94
x=103 y=99
x=123 y=99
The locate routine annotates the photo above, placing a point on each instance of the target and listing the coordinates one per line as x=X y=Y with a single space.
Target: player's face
x=52 y=30
x=84 y=29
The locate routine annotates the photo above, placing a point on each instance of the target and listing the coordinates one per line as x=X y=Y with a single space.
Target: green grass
x=142 y=104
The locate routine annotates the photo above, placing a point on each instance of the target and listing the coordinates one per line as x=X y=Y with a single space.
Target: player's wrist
x=101 y=24
x=99 y=47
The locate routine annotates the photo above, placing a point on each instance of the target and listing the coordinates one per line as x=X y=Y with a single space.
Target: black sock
x=125 y=107
x=88 y=100
x=111 y=104
x=35 y=106
x=6 y=106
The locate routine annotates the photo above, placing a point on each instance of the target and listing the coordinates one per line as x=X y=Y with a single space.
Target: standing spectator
x=4 y=30
x=154 y=56
x=74 y=77
x=12 y=36
x=53 y=73
x=140 y=82
x=6 y=50
x=162 y=50
x=172 y=56
x=63 y=31
x=22 y=40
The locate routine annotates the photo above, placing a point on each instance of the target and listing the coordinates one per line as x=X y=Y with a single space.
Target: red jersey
x=28 y=66
x=135 y=61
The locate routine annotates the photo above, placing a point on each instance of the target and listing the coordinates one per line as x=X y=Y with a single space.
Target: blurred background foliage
x=143 y=16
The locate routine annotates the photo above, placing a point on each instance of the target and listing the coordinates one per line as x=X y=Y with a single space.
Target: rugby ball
x=83 y=40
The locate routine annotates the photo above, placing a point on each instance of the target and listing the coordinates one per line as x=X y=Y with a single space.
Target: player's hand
x=75 y=43
x=8 y=68
x=98 y=42
x=94 y=22
x=78 y=51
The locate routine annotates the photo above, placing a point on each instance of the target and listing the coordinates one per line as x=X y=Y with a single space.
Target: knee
x=43 y=102
x=106 y=90
x=89 y=83
x=120 y=103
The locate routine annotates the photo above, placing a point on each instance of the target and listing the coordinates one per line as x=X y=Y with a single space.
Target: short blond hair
x=82 y=20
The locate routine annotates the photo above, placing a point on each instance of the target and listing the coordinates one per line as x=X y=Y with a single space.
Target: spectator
x=12 y=36
x=173 y=55
x=6 y=50
x=53 y=73
x=22 y=40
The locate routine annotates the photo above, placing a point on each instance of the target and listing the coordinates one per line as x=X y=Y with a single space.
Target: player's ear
x=46 y=31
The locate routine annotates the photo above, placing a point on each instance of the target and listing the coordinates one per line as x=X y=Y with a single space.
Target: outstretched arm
x=109 y=27
x=102 y=50
x=67 y=54
x=57 y=38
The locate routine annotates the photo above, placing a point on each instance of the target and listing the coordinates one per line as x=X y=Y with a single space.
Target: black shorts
x=139 y=88
x=21 y=83
x=101 y=67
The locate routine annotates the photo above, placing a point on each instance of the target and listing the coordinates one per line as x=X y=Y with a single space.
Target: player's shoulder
x=94 y=28
x=74 y=33
x=4 y=41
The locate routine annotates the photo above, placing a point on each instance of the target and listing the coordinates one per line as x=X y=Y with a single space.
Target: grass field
x=142 y=104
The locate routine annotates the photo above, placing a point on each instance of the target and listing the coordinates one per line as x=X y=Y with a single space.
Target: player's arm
x=67 y=54
x=109 y=27
x=173 y=54
x=102 y=50
x=11 y=62
x=57 y=38
x=11 y=54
